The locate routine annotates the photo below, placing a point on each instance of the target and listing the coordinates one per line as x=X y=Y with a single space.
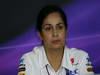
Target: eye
x=60 y=27
x=47 y=28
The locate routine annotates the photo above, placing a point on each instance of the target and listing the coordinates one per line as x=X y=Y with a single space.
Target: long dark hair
x=44 y=12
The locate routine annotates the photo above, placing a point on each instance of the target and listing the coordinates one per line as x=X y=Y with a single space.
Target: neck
x=54 y=52
x=54 y=57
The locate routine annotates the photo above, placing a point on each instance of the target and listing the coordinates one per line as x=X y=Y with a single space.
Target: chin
x=57 y=46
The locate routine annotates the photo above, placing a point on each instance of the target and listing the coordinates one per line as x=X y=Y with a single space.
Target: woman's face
x=53 y=31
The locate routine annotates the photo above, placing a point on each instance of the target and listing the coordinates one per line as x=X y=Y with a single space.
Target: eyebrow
x=59 y=23
x=46 y=24
x=51 y=24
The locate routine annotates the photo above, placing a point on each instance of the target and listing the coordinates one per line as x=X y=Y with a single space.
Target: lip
x=55 y=41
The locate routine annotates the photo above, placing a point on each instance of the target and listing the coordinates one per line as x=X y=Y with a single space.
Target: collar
x=43 y=61
x=66 y=59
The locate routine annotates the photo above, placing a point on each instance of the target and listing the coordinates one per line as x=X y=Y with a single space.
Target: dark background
x=19 y=15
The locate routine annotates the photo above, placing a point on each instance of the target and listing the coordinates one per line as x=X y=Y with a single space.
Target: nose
x=55 y=33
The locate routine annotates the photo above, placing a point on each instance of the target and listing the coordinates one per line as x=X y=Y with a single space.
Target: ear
x=40 y=35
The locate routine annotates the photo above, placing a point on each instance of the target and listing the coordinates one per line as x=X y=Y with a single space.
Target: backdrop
x=18 y=34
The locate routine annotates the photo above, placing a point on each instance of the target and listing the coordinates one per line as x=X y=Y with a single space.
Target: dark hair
x=44 y=12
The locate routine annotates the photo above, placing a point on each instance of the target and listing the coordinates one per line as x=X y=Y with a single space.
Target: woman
x=53 y=57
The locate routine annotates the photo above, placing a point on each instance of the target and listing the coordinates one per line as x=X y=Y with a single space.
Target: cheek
x=62 y=34
x=47 y=36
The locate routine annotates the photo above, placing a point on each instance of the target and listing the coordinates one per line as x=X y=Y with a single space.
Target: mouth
x=56 y=41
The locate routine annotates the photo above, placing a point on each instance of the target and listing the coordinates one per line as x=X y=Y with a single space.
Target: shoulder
x=29 y=62
x=32 y=55
x=78 y=53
